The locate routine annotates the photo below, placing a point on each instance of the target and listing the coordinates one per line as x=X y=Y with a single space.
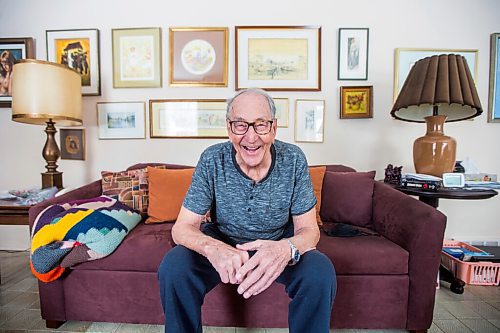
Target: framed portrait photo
x=279 y=58
x=198 y=57
x=494 y=90
x=121 y=120
x=309 y=120
x=404 y=59
x=11 y=51
x=77 y=49
x=356 y=102
x=187 y=118
x=353 y=54
x=282 y=110
x=136 y=58
x=72 y=143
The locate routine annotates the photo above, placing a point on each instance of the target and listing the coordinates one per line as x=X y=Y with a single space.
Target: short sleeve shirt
x=245 y=210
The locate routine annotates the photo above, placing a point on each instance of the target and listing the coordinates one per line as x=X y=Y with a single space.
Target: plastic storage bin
x=481 y=273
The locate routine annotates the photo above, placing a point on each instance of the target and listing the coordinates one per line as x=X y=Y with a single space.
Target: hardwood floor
x=476 y=310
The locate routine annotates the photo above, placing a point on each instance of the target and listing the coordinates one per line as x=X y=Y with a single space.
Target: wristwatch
x=295 y=254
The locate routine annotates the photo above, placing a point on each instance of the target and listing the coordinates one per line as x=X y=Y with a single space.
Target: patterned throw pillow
x=129 y=187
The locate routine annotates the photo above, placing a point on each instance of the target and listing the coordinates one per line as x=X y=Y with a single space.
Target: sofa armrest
x=419 y=229
x=88 y=191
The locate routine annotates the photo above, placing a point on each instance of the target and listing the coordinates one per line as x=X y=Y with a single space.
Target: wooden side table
x=13 y=214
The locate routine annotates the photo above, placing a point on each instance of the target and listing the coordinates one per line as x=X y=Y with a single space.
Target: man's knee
x=317 y=272
x=174 y=264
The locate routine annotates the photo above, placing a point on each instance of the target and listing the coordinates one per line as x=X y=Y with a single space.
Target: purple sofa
x=386 y=280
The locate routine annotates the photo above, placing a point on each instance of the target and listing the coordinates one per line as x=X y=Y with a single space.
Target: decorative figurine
x=393 y=174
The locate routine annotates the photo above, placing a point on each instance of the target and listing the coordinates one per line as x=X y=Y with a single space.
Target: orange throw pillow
x=167 y=189
x=317 y=174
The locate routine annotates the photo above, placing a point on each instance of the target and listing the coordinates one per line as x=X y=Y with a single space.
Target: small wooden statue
x=393 y=174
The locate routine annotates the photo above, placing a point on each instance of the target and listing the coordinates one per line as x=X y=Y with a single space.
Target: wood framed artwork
x=11 y=51
x=279 y=58
x=353 y=54
x=198 y=57
x=187 y=118
x=282 y=111
x=356 y=102
x=309 y=123
x=121 y=120
x=494 y=89
x=72 y=144
x=136 y=58
x=77 y=49
x=404 y=59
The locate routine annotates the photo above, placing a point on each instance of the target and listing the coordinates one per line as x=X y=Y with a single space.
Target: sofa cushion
x=347 y=197
x=141 y=251
x=167 y=189
x=317 y=174
x=129 y=187
x=364 y=255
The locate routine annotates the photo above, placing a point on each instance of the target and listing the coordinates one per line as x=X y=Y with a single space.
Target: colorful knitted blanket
x=67 y=234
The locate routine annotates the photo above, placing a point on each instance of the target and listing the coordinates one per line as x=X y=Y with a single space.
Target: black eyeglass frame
x=270 y=122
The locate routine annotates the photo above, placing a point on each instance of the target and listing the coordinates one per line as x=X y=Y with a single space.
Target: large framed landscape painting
x=286 y=58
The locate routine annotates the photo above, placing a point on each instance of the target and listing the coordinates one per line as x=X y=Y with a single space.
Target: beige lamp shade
x=43 y=91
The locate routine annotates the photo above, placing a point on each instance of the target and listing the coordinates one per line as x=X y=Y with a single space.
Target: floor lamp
x=438 y=89
x=47 y=93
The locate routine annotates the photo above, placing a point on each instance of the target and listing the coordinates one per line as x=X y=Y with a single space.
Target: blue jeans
x=185 y=278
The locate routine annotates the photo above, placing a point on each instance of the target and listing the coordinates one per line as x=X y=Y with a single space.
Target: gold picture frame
x=137 y=58
x=187 y=118
x=72 y=143
x=198 y=57
x=356 y=102
x=121 y=120
x=278 y=58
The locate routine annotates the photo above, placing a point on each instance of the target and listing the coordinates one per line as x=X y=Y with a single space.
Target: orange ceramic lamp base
x=434 y=153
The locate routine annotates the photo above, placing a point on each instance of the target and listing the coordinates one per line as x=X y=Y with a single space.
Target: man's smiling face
x=251 y=148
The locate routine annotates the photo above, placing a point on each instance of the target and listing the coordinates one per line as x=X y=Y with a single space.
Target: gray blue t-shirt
x=245 y=210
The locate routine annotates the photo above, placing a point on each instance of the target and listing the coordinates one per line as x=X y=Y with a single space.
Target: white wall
x=364 y=144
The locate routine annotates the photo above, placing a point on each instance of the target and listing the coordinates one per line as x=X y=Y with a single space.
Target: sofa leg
x=53 y=323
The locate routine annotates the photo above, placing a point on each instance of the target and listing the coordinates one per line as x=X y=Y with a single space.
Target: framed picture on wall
x=11 y=51
x=77 y=49
x=187 y=118
x=404 y=59
x=309 y=123
x=356 y=102
x=494 y=90
x=121 y=120
x=198 y=57
x=72 y=143
x=136 y=58
x=282 y=111
x=286 y=58
x=353 y=54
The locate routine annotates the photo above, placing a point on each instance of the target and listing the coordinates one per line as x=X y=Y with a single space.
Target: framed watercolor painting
x=356 y=102
x=77 y=49
x=187 y=118
x=198 y=57
x=280 y=58
x=309 y=122
x=282 y=111
x=136 y=58
x=72 y=144
x=494 y=90
x=404 y=59
x=11 y=51
x=121 y=120
x=353 y=54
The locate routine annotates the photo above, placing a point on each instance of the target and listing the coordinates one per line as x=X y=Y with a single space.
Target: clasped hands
x=253 y=274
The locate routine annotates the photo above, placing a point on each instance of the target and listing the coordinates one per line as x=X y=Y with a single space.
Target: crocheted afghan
x=67 y=234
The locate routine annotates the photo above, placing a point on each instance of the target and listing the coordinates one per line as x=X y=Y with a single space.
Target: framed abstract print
x=187 y=118
x=11 y=51
x=198 y=57
x=356 y=102
x=136 y=58
x=121 y=120
x=72 y=143
x=77 y=49
x=353 y=54
x=280 y=58
x=309 y=120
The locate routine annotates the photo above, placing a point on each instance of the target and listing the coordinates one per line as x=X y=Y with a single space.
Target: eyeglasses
x=260 y=127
